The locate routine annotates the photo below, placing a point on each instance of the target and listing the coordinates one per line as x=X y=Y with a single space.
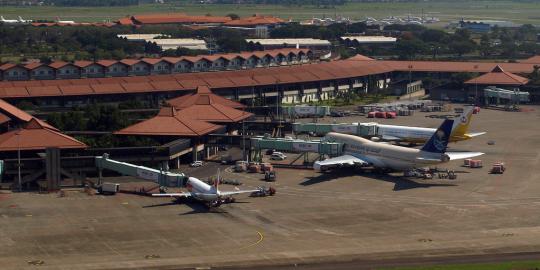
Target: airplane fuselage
x=201 y=191
x=386 y=156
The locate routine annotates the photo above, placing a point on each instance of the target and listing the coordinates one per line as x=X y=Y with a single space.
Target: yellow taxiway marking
x=261 y=238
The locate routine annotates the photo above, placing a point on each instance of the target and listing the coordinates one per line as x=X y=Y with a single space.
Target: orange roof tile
x=534 y=60
x=44 y=91
x=203 y=96
x=72 y=90
x=58 y=64
x=177 y=18
x=214 y=112
x=82 y=63
x=35 y=136
x=130 y=62
x=19 y=114
x=360 y=57
x=255 y=20
x=7 y=66
x=499 y=77
x=33 y=65
x=4 y=118
x=14 y=92
x=113 y=88
x=106 y=63
x=125 y=21
x=169 y=122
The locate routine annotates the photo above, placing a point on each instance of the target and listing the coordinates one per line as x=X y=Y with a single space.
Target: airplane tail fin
x=439 y=141
x=461 y=125
x=2 y=18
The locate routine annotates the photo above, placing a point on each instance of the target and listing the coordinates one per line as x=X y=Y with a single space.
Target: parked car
x=278 y=156
x=270 y=151
x=197 y=163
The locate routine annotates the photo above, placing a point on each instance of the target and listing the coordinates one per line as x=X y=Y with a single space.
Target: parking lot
x=337 y=216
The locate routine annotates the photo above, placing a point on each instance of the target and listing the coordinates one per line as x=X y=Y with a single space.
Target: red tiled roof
x=33 y=65
x=130 y=62
x=125 y=21
x=82 y=63
x=4 y=118
x=176 y=18
x=214 y=112
x=255 y=20
x=35 y=136
x=106 y=63
x=152 y=61
x=169 y=122
x=203 y=96
x=58 y=64
x=446 y=66
x=7 y=66
x=360 y=57
x=498 y=77
x=533 y=60
x=14 y=111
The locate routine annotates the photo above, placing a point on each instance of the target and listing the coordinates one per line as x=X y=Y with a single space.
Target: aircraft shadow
x=403 y=183
x=400 y=183
x=325 y=177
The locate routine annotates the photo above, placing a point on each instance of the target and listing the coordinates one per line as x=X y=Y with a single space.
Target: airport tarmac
x=336 y=217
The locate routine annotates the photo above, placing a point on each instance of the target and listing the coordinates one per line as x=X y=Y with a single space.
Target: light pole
x=475 y=88
x=19 y=159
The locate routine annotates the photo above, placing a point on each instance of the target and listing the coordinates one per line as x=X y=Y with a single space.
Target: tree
x=433 y=35
x=408 y=49
x=462 y=47
x=232 y=42
x=485 y=45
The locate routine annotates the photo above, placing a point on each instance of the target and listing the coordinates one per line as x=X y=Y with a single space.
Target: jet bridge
x=296 y=146
x=161 y=177
x=358 y=129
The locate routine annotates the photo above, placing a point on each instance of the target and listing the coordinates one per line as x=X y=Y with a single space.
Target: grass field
x=525 y=265
x=518 y=12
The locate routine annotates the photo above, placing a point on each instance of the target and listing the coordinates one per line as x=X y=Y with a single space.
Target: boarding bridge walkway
x=163 y=178
x=358 y=129
x=295 y=146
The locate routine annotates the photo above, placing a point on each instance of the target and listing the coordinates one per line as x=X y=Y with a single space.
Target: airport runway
x=341 y=220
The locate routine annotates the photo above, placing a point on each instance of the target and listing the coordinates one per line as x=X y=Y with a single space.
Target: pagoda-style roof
x=169 y=122
x=203 y=96
x=498 y=76
x=36 y=136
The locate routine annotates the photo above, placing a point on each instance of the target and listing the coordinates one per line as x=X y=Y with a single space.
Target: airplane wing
x=229 y=193
x=475 y=134
x=173 y=195
x=346 y=160
x=462 y=155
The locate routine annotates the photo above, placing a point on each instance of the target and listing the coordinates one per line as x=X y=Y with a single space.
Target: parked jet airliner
x=363 y=152
x=200 y=191
x=422 y=134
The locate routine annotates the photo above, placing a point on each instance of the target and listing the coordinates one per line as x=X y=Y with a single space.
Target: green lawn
x=525 y=265
x=519 y=12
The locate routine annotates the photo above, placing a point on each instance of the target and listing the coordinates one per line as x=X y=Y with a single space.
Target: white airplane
x=8 y=21
x=210 y=195
x=66 y=22
x=21 y=20
x=363 y=152
x=422 y=134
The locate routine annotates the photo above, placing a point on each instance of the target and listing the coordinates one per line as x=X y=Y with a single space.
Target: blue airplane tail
x=439 y=141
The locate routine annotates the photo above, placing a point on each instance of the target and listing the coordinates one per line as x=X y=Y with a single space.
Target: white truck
x=109 y=188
